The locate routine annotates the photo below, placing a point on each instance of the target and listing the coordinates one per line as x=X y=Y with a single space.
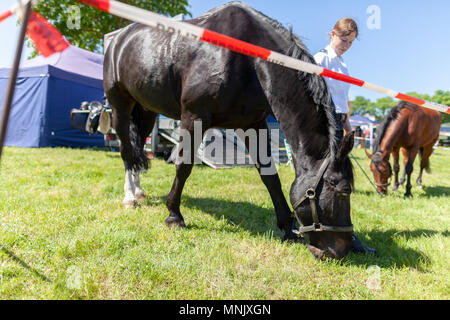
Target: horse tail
x=427 y=165
x=140 y=160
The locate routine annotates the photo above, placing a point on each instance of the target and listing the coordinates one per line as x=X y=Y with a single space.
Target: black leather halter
x=311 y=196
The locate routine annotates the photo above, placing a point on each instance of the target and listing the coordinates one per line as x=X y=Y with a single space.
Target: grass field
x=65 y=235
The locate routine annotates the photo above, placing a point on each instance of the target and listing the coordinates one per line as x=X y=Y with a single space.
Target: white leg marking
x=138 y=192
x=129 y=188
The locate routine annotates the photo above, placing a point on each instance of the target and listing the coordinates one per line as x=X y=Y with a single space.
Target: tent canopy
x=358 y=120
x=46 y=91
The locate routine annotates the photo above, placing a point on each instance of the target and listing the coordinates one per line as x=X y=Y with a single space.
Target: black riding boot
x=359 y=247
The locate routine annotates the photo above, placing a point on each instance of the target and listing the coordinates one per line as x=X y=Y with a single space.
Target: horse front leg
x=175 y=219
x=409 y=169
x=405 y=162
x=267 y=170
x=396 y=156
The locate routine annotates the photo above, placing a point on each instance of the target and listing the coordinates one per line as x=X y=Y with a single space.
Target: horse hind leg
x=425 y=154
x=142 y=123
x=128 y=125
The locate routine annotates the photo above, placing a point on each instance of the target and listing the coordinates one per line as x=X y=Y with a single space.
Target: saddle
x=99 y=119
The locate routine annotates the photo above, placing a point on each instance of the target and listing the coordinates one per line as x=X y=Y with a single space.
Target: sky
x=404 y=45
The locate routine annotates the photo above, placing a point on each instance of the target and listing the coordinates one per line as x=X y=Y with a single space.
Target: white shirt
x=338 y=89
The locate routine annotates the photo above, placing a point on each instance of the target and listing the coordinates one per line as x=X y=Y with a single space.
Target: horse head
x=381 y=169
x=332 y=234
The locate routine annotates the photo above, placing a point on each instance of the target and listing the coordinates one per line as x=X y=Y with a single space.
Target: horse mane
x=384 y=125
x=314 y=85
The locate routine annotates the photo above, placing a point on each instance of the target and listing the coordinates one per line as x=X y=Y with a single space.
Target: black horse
x=149 y=72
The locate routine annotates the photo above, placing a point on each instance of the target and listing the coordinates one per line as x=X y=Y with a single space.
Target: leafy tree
x=443 y=97
x=382 y=107
x=440 y=96
x=419 y=95
x=85 y=26
x=361 y=106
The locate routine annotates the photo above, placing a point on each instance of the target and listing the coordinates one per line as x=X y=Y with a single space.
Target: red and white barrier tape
x=5 y=15
x=165 y=24
x=14 y=9
x=46 y=38
x=160 y=22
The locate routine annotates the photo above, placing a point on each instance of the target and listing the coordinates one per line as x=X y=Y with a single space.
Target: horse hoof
x=293 y=238
x=140 y=197
x=408 y=195
x=130 y=204
x=172 y=222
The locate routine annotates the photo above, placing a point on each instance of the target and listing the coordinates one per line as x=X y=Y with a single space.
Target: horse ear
x=346 y=145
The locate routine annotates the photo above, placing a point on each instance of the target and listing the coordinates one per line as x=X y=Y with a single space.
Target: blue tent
x=47 y=89
x=358 y=120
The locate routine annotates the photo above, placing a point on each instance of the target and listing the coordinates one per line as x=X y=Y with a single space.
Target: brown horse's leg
x=424 y=163
x=405 y=162
x=189 y=143
x=268 y=172
x=412 y=153
x=396 y=156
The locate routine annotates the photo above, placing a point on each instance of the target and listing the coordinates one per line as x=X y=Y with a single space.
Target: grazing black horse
x=149 y=72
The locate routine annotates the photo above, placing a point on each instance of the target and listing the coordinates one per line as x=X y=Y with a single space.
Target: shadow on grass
x=436 y=191
x=259 y=221
x=390 y=253
x=430 y=192
x=24 y=264
x=246 y=215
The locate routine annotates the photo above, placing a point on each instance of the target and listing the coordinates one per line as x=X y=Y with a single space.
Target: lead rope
x=370 y=181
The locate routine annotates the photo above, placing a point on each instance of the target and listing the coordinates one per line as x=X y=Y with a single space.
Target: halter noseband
x=376 y=167
x=311 y=196
x=383 y=185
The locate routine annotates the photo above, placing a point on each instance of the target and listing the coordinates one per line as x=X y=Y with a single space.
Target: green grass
x=65 y=235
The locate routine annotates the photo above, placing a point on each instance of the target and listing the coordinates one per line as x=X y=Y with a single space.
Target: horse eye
x=333 y=182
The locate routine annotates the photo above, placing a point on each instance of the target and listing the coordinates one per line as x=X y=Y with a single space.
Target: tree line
x=84 y=26
x=380 y=108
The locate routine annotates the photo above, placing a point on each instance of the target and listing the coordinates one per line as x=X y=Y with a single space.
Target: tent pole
x=13 y=76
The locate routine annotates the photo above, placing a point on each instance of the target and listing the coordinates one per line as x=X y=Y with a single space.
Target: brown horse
x=415 y=130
